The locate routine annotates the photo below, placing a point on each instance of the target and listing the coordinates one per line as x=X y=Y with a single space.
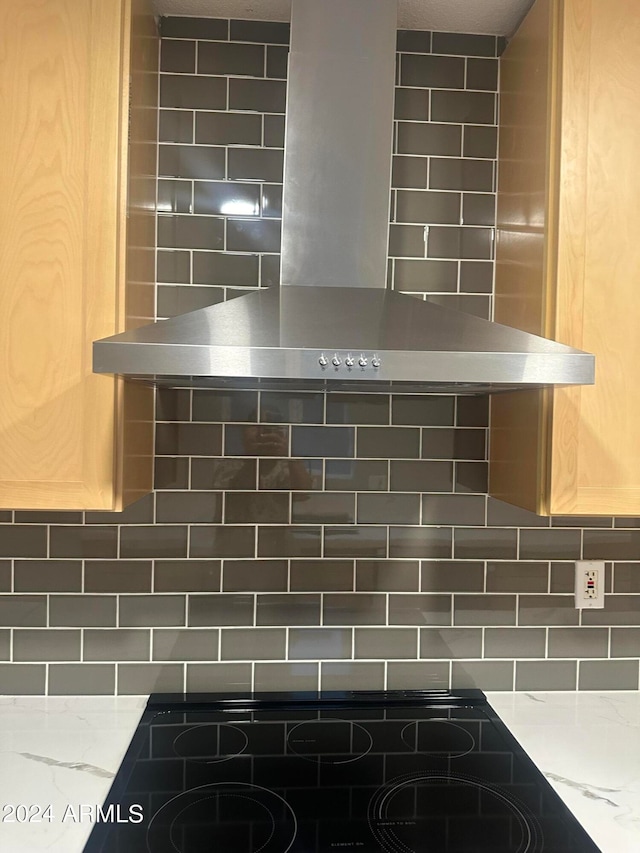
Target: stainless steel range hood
x=332 y=322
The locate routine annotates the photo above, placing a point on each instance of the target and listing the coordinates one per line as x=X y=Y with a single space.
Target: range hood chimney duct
x=338 y=143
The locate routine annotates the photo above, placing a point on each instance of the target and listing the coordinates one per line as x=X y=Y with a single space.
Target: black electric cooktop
x=379 y=772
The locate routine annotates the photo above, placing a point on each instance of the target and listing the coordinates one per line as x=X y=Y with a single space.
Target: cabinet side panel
x=608 y=436
x=523 y=250
x=571 y=183
x=137 y=250
x=57 y=264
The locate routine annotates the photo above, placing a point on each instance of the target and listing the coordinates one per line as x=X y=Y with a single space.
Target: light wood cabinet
x=568 y=254
x=78 y=103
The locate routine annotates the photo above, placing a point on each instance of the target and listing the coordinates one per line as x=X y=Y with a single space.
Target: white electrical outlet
x=589 y=584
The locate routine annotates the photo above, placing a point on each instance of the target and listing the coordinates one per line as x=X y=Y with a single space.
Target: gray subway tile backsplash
x=323 y=575
x=216 y=268
x=412 y=609
x=117 y=576
x=227 y=129
x=224 y=609
x=174 y=196
x=173 y=267
x=24 y=540
x=546 y=675
x=429 y=138
x=179 y=56
x=420 y=476
x=253 y=644
x=450 y=643
x=170 y=644
x=451 y=576
x=578 y=642
x=388 y=509
x=46 y=576
x=479 y=141
x=352 y=676
x=486 y=609
x=409 y=172
x=286 y=676
x=245 y=235
x=218 y=198
x=23 y=679
x=230 y=58
x=464 y=45
x=607 y=675
x=51 y=644
x=486 y=675
x=186 y=575
x=463 y=107
x=255 y=164
x=298 y=540
x=513 y=576
x=387 y=575
x=514 y=643
x=388 y=442
x=547 y=610
x=465 y=242
x=425 y=206
x=193 y=28
x=175 y=126
x=122 y=644
x=90 y=679
x=219 y=677
x=482 y=74
x=485 y=543
x=432 y=72
x=87 y=610
x=182 y=91
x=277 y=61
x=192 y=161
x=265 y=96
x=134 y=679
x=412 y=105
x=416 y=275
x=451 y=173
x=268 y=32
x=288 y=609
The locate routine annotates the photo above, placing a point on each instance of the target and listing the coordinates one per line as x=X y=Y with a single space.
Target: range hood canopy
x=333 y=323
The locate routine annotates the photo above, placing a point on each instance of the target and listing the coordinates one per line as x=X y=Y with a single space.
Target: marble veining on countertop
x=64 y=753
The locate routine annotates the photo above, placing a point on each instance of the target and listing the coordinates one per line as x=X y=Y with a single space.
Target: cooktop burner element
x=208 y=743
x=438 y=737
x=454 y=813
x=329 y=741
x=392 y=772
x=247 y=818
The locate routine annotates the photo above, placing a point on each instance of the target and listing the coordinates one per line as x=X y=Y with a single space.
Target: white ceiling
x=493 y=17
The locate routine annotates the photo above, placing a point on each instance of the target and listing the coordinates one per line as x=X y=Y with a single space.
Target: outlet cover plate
x=589 y=584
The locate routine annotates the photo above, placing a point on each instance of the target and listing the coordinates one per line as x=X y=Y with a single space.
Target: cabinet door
x=63 y=266
x=595 y=436
x=568 y=257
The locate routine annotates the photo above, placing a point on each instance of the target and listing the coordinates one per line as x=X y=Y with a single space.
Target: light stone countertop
x=64 y=751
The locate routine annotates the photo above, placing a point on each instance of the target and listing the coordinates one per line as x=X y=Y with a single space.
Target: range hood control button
x=322 y=361
x=362 y=361
x=336 y=361
x=375 y=361
x=349 y=360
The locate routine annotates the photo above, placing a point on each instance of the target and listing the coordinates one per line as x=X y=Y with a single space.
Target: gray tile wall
x=305 y=540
